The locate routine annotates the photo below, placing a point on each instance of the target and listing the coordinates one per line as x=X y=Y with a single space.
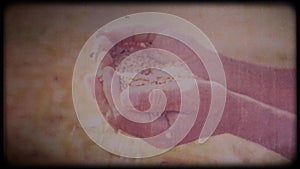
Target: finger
x=137 y=98
x=102 y=101
x=157 y=101
x=111 y=87
x=120 y=32
x=107 y=61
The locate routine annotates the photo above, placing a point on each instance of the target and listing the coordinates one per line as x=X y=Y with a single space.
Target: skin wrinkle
x=166 y=117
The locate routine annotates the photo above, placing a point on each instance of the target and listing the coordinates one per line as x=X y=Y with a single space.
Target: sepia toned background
x=42 y=43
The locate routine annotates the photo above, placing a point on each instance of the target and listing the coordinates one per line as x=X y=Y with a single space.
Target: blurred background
x=42 y=43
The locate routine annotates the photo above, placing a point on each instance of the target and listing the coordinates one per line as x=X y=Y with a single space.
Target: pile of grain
x=150 y=71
